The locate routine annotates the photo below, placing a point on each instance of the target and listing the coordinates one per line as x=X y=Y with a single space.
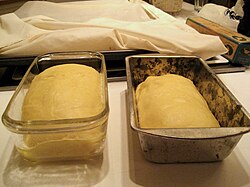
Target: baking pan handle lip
x=162 y=55
x=193 y=133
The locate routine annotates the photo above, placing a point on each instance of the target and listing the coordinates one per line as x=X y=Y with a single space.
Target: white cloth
x=40 y=27
x=217 y=14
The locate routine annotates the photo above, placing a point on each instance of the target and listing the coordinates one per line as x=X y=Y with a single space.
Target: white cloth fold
x=217 y=14
x=42 y=27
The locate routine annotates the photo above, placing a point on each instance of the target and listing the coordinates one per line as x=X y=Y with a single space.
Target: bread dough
x=64 y=146
x=172 y=101
x=62 y=92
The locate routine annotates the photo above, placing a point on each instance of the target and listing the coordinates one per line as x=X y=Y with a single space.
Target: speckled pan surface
x=187 y=145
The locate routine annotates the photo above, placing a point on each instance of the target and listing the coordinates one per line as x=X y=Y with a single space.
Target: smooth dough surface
x=172 y=101
x=64 y=91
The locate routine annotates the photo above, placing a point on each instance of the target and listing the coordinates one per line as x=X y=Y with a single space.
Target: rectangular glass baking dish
x=63 y=139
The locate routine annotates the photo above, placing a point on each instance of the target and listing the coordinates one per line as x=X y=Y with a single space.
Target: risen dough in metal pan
x=172 y=101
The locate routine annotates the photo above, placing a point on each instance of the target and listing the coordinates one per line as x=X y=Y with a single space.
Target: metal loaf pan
x=187 y=145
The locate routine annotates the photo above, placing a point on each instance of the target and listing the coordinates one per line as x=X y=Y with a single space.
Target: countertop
x=122 y=163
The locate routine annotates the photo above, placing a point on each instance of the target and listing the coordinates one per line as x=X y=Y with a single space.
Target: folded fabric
x=217 y=14
x=40 y=27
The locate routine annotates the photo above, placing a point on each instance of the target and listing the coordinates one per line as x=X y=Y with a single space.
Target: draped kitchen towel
x=40 y=27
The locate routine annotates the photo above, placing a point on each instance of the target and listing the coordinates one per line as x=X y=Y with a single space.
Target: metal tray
x=187 y=145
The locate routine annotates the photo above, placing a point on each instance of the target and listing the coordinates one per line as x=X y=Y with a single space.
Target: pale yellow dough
x=62 y=92
x=172 y=101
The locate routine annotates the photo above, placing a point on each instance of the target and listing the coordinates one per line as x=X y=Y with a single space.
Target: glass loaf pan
x=63 y=139
x=187 y=145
